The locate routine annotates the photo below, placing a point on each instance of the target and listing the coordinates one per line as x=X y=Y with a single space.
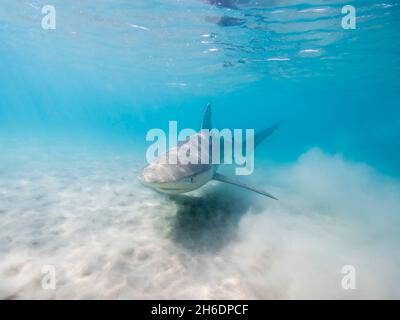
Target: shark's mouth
x=163 y=187
x=173 y=188
x=170 y=188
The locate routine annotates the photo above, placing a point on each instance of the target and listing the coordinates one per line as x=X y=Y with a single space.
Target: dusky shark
x=181 y=178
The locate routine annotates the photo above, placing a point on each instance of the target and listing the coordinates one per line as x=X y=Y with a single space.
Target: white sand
x=109 y=237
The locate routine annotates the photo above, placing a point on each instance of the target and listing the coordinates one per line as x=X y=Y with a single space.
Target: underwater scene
x=85 y=215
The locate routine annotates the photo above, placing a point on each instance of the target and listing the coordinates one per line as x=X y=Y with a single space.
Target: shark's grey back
x=162 y=171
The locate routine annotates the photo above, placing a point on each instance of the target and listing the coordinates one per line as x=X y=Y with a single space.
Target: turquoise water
x=76 y=104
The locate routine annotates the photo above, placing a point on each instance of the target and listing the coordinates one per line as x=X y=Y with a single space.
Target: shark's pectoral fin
x=222 y=178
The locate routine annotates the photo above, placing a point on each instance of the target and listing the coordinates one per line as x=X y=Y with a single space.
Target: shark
x=185 y=177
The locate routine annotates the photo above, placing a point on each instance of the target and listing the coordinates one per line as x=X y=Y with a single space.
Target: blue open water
x=76 y=104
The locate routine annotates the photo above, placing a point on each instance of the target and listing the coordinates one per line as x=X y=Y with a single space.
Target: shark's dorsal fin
x=222 y=178
x=206 y=124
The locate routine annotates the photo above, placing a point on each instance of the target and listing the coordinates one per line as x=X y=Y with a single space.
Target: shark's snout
x=140 y=177
x=172 y=179
x=148 y=177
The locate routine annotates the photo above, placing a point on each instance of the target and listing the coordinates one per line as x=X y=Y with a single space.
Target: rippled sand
x=109 y=237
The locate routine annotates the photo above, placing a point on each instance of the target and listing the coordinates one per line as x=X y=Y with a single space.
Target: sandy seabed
x=108 y=237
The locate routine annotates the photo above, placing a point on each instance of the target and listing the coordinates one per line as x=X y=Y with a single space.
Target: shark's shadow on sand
x=209 y=222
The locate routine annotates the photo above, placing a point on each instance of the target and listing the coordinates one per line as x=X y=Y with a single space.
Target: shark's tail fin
x=263 y=134
x=206 y=124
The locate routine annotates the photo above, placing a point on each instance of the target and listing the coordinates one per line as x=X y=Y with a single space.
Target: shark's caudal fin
x=258 y=137
x=262 y=135
x=222 y=178
x=206 y=124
